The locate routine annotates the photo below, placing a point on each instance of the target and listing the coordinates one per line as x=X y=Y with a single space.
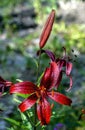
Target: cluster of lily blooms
x=51 y=79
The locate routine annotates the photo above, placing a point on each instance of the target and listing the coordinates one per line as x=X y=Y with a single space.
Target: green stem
x=28 y=116
x=35 y=106
x=38 y=64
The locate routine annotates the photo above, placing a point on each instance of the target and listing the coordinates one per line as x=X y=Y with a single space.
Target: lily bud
x=47 y=29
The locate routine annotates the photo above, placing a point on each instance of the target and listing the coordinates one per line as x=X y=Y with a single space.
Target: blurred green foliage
x=7 y=6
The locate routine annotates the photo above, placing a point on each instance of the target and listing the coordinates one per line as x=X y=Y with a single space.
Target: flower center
x=41 y=91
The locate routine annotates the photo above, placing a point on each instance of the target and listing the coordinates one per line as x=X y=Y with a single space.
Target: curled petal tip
x=47 y=29
x=71 y=83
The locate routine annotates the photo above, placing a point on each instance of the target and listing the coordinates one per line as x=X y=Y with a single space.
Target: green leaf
x=23 y=95
x=12 y=121
x=9 y=128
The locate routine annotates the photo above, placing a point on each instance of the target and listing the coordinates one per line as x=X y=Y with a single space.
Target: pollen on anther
x=52 y=92
x=52 y=105
x=83 y=111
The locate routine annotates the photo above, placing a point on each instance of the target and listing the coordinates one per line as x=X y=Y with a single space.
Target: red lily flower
x=47 y=29
x=61 y=62
x=41 y=93
x=3 y=84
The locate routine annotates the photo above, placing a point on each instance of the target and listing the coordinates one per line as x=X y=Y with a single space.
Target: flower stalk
x=35 y=106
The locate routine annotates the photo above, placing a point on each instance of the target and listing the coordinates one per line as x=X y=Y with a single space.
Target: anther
x=83 y=111
x=52 y=93
x=52 y=105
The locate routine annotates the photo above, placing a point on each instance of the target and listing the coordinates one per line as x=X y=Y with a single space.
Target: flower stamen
x=38 y=95
x=52 y=105
x=52 y=93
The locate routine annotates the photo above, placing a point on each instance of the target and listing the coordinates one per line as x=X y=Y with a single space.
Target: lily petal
x=50 y=76
x=59 y=79
x=71 y=83
x=8 y=83
x=28 y=103
x=50 y=54
x=44 y=112
x=61 y=64
x=4 y=82
x=23 y=88
x=47 y=29
x=68 y=68
x=60 y=98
